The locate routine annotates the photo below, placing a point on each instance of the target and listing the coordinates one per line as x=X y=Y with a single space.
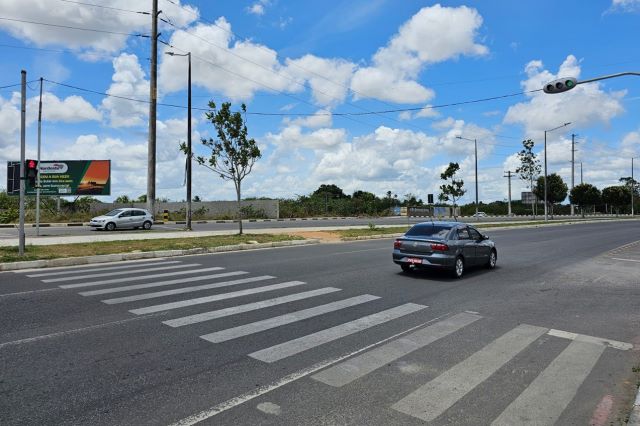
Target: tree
x=584 y=195
x=452 y=188
x=123 y=199
x=556 y=193
x=529 y=168
x=616 y=196
x=331 y=190
x=142 y=199
x=197 y=199
x=233 y=154
x=631 y=183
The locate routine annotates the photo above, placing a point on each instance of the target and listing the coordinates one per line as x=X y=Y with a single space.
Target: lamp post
x=189 y=154
x=546 y=217
x=633 y=186
x=475 y=147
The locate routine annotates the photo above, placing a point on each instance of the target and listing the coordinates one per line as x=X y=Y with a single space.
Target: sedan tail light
x=439 y=247
x=397 y=244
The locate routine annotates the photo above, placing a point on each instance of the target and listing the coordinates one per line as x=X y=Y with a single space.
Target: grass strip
x=10 y=254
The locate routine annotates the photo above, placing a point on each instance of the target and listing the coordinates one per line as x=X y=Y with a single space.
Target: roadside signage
x=65 y=177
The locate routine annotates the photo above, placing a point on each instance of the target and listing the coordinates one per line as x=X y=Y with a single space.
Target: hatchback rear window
x=429 y=230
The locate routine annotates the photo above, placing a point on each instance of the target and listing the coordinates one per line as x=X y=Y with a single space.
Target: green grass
x=10 y=254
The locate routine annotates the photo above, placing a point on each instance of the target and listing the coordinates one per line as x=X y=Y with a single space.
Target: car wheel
x=458 y=267
x=493 y=258
x=146 y=225
x=406 y=268
x=110 y=226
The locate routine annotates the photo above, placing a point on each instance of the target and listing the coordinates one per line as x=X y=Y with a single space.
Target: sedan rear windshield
x=429 y=230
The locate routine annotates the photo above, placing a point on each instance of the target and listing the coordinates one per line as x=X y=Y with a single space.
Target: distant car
x=124 y=218
x=444 y=245
x=480 y=214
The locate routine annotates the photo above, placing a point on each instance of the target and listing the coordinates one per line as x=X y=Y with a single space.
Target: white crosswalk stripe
x=90 y=266
x=544 y=400
x=103 y=268
x=234 y=310
x=431 y=400
x=143 y=277
x=189 y=289
x=258 y=326
x=110 y=273
x=214 y=298
x=301 y=344
x=354 y=368
x=164 y=283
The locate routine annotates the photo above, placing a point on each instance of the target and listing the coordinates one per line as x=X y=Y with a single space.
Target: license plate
x=414 y=260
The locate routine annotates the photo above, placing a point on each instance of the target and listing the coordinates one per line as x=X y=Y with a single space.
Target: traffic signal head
x=560 y=85
x=32 y=171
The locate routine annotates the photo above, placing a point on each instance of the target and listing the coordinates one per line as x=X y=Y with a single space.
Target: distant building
x=528 y=197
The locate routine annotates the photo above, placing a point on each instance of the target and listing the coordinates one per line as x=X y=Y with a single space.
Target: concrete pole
x=39 y=146
x=23 y=172
x=573 y=151
x=546 y=217
x=508 y=176
x=153 y=73
x=475 y=144
x=633 y=187
x=581 y=173
x=189 y=151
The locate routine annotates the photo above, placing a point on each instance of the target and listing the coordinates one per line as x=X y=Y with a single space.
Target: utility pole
x=39 y=145
x=546 y=190
x=573 y=151
x=508 y=176
x=581 y=173
x=633 y=187
x=23 y=119
x=153 y=73
x=475 y=147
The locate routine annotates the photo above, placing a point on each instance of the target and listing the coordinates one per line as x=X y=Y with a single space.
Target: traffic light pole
x=38 y=175
x=23 y=114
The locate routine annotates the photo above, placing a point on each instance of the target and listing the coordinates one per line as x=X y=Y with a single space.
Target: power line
x=73 y=28
x=105 y=7
x=58 y=51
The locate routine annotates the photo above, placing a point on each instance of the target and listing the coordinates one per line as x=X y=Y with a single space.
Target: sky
x=365 y=94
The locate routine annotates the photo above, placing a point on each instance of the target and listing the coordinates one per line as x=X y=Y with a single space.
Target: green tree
x=451 y=190
x=584 y=195
x=556 y=193
x=617 y=196
x=233 y=153
x=529 y=168
x=631 y=183
x=142 y=199
x=330 y=190
x=197 y=199
x=123 y=199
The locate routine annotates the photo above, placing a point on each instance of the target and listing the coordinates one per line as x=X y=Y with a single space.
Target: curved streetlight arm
x=605 y=77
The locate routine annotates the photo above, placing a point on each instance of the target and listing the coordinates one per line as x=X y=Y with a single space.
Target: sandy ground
x=323 y=236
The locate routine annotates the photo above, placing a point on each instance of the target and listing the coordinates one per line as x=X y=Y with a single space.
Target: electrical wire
x=46 y=24
x=105 y=7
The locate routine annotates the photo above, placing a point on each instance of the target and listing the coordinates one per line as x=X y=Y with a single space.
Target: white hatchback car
x=124 y=218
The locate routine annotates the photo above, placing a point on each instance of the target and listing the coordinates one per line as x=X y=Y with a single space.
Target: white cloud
x=328 y=78
x=322 y=118
x=585 y=105
x=9 y=122
x=83 y=16
x=625 y=5
x=128 y=81
x=258 y=8
x=434 y=34
x=73 y=109
x=293 y=138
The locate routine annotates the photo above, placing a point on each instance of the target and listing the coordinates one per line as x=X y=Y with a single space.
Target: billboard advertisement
x=69 y=177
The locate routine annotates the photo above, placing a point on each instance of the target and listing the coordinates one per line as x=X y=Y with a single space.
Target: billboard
x=67 y=177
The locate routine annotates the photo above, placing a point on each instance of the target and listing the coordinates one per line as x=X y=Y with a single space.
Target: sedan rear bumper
x=435 y=260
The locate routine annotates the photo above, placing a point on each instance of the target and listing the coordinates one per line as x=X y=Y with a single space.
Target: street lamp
x=546 y=217
x=475 y=145
x=188 y=213
x=633 y=186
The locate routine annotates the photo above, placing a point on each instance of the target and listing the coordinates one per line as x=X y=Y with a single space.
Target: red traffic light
x=31 y=164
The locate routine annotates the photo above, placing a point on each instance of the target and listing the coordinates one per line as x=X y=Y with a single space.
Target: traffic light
x=429 y=198
x=560 y=85
x=32 y=171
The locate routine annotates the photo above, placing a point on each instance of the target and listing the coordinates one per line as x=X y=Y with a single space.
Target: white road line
x=355 y=368
x=160 y=283
x=29 y=292
x=590 y=339
x=544 y=400
x=434 y=398
x=280 y=320
x=73 y=331
x=626 y=260
x=188 y=289
x=87 y=266
x=141 y=277
x=233 y=310
x=214 y=298
x=304 y=343
x=283 y=381
x=111 y=274
x=105 y=268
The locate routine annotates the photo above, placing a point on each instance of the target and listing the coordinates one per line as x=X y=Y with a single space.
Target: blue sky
x=324 y=59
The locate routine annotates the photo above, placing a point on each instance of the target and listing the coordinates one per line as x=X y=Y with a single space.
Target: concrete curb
x=106 y=258
x=634 y=417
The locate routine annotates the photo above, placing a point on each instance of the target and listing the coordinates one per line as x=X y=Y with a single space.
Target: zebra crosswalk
x=168 y=286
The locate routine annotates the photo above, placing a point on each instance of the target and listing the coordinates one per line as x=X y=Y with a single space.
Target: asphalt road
x=8 y=233
x=330 y=334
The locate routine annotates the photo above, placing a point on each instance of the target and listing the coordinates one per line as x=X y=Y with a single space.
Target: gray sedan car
x=123 y=218
x=444 y=245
